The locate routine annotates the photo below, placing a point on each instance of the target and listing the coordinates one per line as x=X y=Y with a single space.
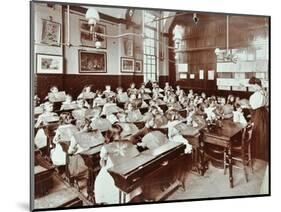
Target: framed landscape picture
x=51 y=32
x=92 y=62
x=87 y=38
x=49 y=64
x=127 y=64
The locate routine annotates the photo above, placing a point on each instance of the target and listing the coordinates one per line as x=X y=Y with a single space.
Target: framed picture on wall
x=88 y=39
x=128 y=47
x=49 y=64
x=92 y=62
x=138 y=65
x=51 y=32
x=127 y=64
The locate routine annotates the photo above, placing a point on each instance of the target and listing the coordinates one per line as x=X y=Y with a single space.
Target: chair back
x=247 y=134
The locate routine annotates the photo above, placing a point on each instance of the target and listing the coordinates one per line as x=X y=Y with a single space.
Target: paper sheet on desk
x=154 y=139
x=187 y=130
x=89 y=139
x=57 y=97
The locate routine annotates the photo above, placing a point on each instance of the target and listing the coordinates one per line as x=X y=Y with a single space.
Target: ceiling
x=238 y=21
x=114 y=12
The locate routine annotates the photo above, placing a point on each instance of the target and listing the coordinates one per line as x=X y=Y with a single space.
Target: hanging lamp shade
x=92 y=16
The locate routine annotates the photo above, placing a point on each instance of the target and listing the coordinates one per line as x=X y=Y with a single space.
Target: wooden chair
x=241 y=151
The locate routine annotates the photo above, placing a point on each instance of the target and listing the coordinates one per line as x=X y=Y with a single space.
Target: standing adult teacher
x=259 y=116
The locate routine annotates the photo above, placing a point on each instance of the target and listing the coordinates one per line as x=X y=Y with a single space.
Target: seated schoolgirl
x=190 y=94
x=86 y=93
x=79 y=114
x=62 y=137
x=99 y=121
x=99 y=100
x=178 y=90
x=114 y=152
x=173 y=134
x=68 y=104
x=238 y=115
x=132 y=89
x=133 y=113
x=121 y=96
x=48 y=115
x=108 y=92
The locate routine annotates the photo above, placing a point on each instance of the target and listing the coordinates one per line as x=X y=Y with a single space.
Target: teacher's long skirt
x=260 y=139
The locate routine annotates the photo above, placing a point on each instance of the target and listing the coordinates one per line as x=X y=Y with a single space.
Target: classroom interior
x=138 y=105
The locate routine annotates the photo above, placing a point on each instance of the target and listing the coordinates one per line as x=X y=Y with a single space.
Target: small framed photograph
x=127 y=65
x=49 y=64
x=138 y=65
x=183 y=76
x=86 y=37
x=51 y=32
x=92 y=62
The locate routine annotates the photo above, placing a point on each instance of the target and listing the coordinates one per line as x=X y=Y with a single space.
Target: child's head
x=48 y=107
x=119 y=90
x=190 y=91
x=230 y=99
x=238 y=108
x=133 y=85
x=107 y=87
x=203 y=95
x=99 y=93
x=178 y=87
x=133 y=96
x=87 y=88
x=167 y=84
x=65 y=118
x=223 y=101
x=113 y=134
x=54 y=89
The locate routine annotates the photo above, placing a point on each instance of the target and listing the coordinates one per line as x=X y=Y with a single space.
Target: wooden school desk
x=221 y=137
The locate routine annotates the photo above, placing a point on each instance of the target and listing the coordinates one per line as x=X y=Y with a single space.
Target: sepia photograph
x=140 y=105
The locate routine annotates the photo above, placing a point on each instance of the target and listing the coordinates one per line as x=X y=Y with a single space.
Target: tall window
x=150 y=28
